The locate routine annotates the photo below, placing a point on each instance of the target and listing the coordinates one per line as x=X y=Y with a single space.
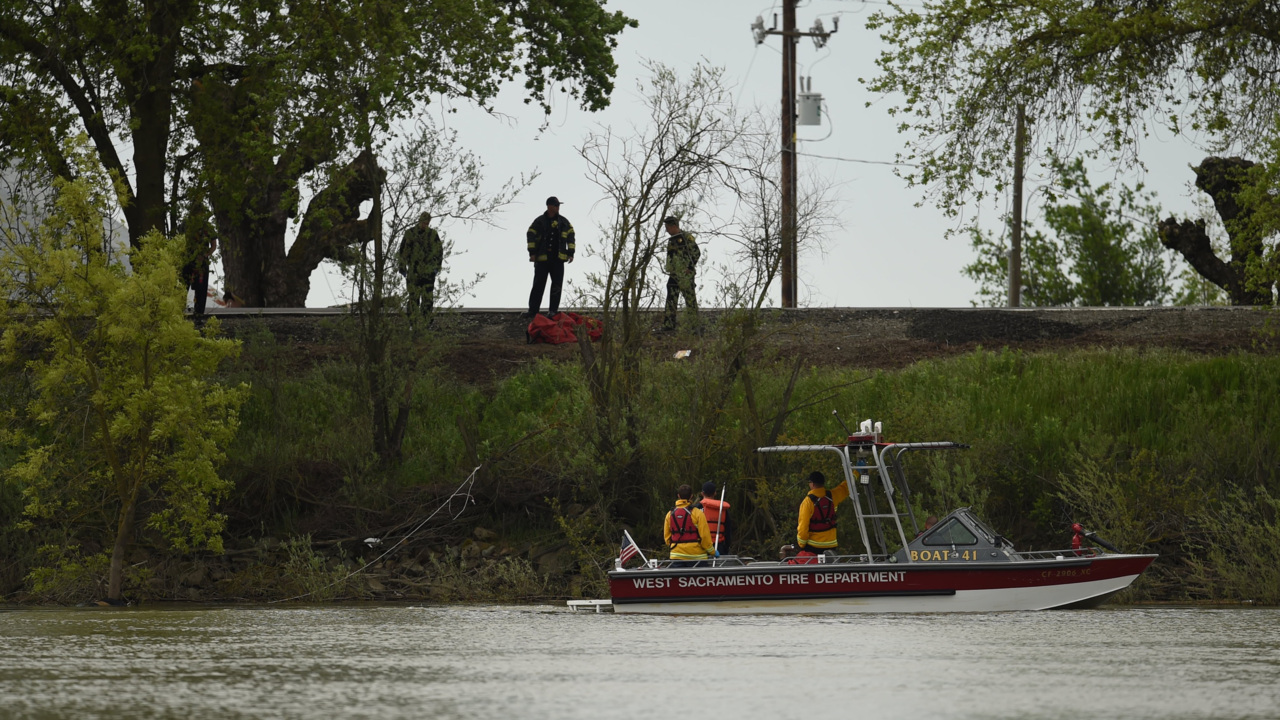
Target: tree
x=127 y=420
x=1102 y=71
x=1250 y=274
x=691 y=151
x=962 y=67
x=666 y=166
x=256 y=100
x=752 y=178
x=427 y=171
x=1105 y=250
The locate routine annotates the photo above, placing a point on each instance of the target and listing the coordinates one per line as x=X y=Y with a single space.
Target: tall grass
x=1136 y=445
x=1157 y=451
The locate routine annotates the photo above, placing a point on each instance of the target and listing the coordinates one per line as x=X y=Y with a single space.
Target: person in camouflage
x=420 y=258
x=682 y=268
x=202 y=243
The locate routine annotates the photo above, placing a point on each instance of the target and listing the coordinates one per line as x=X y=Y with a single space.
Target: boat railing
x=1084 y=552
x=877 y=477
x=735 y=561
x=720 y=562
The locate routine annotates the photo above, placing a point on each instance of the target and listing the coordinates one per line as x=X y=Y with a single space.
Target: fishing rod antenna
x=836 y=413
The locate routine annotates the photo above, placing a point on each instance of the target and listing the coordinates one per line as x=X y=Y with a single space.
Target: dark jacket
x=421 y=252
x=551 y=238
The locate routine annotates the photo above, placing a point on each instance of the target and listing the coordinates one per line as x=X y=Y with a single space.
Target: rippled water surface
x=531 y=662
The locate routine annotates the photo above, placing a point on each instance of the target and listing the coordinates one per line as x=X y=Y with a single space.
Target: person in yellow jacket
x=686 y=533
x=816 y=530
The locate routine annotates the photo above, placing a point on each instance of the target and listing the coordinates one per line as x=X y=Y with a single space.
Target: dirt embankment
x=491 y=344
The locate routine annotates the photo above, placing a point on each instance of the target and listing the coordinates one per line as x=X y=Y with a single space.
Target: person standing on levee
x=551 y=245
x=420 y=259
x=682 y=267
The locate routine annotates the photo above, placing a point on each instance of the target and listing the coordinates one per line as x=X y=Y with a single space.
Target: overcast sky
x=889 y=253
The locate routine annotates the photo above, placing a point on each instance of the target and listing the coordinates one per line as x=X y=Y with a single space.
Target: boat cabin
x=958 y=537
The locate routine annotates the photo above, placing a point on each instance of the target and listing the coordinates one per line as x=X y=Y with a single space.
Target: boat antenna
x=846 y=427
x=720 y=529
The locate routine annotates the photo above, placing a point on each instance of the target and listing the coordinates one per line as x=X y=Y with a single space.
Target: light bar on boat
x=798 y=448
x=941 y=445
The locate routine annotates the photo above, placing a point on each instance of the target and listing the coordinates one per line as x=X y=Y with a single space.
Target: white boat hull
x=999 y=600
x=773 y=588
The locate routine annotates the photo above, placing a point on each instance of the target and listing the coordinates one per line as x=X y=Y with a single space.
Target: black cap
x=708 y=488
x=817 y=478
x=553 y=200
x=671 y=220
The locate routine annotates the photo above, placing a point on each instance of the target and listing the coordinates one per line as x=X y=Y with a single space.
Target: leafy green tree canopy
x=250 y=99
x=1103 y=70
x=126 y=421
x=1104 y=249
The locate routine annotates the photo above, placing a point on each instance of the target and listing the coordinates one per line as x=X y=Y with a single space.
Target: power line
x=887 y=2
x=858 y=160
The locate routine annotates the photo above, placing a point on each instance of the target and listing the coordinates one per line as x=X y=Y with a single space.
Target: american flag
x=629 y=549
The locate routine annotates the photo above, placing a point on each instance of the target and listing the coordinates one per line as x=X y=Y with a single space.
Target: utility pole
x=1015 y=244
x=789 y=264
x=789 y=257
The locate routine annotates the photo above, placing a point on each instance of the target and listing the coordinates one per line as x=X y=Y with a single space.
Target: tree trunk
x=124 y=530
x=149 y=86
x=1222 y=179
x=252 y=186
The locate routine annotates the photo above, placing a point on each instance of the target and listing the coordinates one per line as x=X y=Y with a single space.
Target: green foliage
x=1236 y=556
x=961 y=68
x=591 y=543
x=246 y=102
x=1104 y=249
x=315 y=576
x=66 y=575
x=454 y=579
x=1258 y=193
x=948 y=481
x=122 y=415
x=1135 y=445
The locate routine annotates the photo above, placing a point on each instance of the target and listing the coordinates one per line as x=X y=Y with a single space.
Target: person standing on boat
x=717 y=514
x=685 y=530
x=816 y=531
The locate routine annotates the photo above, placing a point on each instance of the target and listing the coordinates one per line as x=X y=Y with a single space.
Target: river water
x=545 y=662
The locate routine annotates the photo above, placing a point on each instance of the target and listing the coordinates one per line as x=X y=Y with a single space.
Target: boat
x=957 y=565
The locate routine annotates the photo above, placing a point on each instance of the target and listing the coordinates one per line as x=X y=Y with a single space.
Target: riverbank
x=1111 y=417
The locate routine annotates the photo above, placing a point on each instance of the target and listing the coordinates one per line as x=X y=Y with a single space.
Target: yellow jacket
x=822 y=539
x=690 y=550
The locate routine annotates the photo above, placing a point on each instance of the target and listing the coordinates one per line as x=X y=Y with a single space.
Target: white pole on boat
x=637 y=547
x=720 y=525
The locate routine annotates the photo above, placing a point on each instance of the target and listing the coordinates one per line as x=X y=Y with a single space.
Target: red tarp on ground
x=560 y=328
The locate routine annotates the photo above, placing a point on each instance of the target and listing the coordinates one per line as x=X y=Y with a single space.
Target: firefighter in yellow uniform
x=816 y=530
x=686 y=532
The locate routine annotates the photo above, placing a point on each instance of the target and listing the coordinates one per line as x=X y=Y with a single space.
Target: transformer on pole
x=811 y=115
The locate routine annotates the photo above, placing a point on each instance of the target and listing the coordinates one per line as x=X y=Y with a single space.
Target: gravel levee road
x=491 y=343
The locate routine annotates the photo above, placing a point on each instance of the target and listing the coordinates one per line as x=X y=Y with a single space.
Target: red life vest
x=683 y=528
x=714 y=510
x=824 y=513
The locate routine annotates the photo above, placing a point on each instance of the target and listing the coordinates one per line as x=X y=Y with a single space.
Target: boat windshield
x=951 y=532
x=980 y=526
